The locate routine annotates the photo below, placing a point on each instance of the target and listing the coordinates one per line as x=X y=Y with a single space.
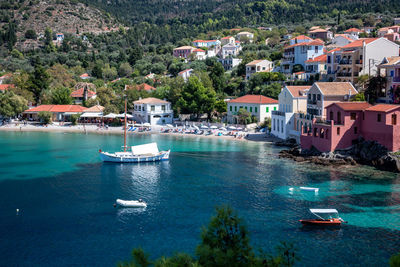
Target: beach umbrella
x=169 y=126
x=204 y=127
x=232 y=128
x=123 y=115
x=146 y=124
x=222 y=129
x=239 y=129
x=213 y=127
x=197 y=128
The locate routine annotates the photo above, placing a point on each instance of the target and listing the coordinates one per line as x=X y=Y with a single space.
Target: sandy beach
x=252 y=137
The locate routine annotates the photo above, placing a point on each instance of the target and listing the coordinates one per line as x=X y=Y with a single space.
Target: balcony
x=345 y=62
x=306 y=116
x=278 y=113
x=343 y=74
x=359 y=62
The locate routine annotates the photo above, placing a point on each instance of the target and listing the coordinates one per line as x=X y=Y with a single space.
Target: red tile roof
x=301 y=37
x=150 y=100
x=351 y=106
x=344 y=36
x=143 y=86
x=80 y=92
x=254 y=99
x=4 y=87
x=314 y=42
x=85 y=75
x=6 y=76
x=383 y=108
x=353 y=30
x=227 y=37
x=321 y=58
x=298 y=91
x=182 y=72
x=359 y=42
x=199 y=50
x=57 y=108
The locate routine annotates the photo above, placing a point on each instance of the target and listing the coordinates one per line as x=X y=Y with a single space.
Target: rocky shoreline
x=361 y=152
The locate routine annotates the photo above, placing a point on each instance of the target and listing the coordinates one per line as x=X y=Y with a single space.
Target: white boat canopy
x=169 y=126
x=324 y=211
x=213 y=127
x=151 y=148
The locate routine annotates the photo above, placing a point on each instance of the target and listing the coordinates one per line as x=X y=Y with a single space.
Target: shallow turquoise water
x=65 y=197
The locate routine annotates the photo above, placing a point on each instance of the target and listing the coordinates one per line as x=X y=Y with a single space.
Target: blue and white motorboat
x=140 y=153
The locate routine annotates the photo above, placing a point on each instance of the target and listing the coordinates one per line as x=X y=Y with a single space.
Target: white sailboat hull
x=129 y=157
x=131 y=203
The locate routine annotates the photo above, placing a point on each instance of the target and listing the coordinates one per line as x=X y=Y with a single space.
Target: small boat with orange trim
x=325 y=217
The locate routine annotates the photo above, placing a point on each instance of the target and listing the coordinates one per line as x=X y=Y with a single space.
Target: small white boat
x=131 y=203
x=140 y=153
x=315 y=189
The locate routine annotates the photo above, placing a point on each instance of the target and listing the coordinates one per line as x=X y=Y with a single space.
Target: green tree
x=97 y=70
x=30 y=34
x=216 y=73
x=359 y=97
x=395 y=261
x=244 y=117
x=61 y=96
x=225 y=242
x=196 y=98
x=11 y=104
x=109 y=73
x=38 y=82
x=74 y=119
x=125 y=70
x=45 y=116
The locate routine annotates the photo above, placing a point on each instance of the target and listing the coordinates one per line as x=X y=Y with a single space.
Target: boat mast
x=125 y=125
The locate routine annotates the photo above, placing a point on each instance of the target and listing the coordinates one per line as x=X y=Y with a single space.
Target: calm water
x=65 y=196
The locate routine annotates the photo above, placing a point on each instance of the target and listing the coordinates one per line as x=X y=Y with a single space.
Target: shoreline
x=251 y=137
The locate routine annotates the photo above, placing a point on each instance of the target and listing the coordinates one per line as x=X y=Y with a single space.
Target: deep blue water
x=65 y=196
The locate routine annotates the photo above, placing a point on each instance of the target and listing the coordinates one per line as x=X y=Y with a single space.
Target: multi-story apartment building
x=206 y=43
x=255 y=66
x=227 y=40
x=390 y=68
x=183 y=51
x=152 y=110
x=229 y=63
x=299 y=50
x=230 y=50
x=292 y=99
x=359 y=57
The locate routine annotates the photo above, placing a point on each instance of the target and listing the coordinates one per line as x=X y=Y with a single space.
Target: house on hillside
x=152 y=110
x=5 y=78
x=390 y=68
x=341 y=40
x=80 y=95
x=241 y=36
x=230 y=50
x=5 y=87
x=229 y=63
x=316 y=66
x=143 y=86
x=59 y=112
x=85 y=76
x=292 y=100
x=227 y=40
x=300 y=49
x=257 y=105
x=185 y=74
x=183 y=51
x=255 y=66
x=361 y=57
x=322 y=34
x=199 y=54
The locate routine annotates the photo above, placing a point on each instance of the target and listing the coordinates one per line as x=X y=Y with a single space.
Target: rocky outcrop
x=362 y=152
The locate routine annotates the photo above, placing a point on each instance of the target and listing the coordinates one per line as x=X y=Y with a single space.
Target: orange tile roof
x=359 y=42
x=182 y=72
x=314 y=42
x=143 y=86
x=353 y=30
x=351 y=106
x=4 y=87
x=96 y=108
x=391 y=61
x=57 y=108
x=321 y=58
x=150 y=100
x=383 y=108
x=301 y=37
x=6 y=76
x=85 y=75
x=80 y=92
x=254 y=62
x=227 y=37
x=298 y=91
x=344 y=36
x=199 y=50
x=318 y=30
x=254 y=99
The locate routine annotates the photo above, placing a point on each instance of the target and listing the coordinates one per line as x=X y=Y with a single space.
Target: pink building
x=183 y=51
x=350 y=120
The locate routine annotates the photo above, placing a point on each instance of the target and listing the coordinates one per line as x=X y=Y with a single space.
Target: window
x=282 y=126
x=267 y=109
x=329 y=59
x=255 y=109
x=318 y=97
x=163 y=107
x=321 y=133
x=355 y=130
x=379 y=118
x=316 y=49
x=230 y=108
x=140 y=108
x=235 y=108
x=274 y=108
x=338 y=130
x=315 y=131
x=363 y=116
x=274 y=124
x=331 y=115
x=339 y=118
x=251 y=109
x=153 y=108
x=245 y=108
x=353 y=116
x=394 y=119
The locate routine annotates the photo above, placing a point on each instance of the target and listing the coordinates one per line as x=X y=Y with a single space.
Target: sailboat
x=140 y=153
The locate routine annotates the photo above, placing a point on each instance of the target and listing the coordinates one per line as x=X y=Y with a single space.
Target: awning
x=92 y=115
x=123 y=115
x=69 y=113
x=111 y=116
x=323 y=210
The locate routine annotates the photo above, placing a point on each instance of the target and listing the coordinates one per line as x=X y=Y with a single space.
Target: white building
x=258 y=66
x=152 y=110
x=292 y=99
x=257 y=105
x=230 y=50
x=185 y=74
x=200 y=54
x=229 y=63
x=227 y=40
x=245 y=35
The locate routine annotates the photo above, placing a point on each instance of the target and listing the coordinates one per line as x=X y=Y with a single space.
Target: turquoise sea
x=64 y=194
